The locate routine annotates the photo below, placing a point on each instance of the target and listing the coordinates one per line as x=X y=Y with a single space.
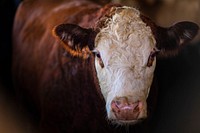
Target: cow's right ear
x=76 y=40
x=170 y=40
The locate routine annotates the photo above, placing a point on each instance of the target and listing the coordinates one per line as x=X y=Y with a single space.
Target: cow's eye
x=152 y=57
x=98 y=55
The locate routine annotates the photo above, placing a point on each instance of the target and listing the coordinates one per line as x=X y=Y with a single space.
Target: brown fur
x=63 y=90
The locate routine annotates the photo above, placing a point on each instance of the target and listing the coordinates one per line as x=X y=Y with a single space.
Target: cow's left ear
x=76 y=40
x=169 y=40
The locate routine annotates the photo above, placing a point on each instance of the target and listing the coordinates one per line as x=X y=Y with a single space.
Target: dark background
x=178 y=108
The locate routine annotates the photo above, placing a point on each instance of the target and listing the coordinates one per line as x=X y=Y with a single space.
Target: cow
x=83 y=67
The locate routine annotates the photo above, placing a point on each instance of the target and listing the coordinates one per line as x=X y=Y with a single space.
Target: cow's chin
x=126 y=122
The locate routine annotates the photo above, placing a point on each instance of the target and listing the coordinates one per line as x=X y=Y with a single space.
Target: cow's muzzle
x=125 y=110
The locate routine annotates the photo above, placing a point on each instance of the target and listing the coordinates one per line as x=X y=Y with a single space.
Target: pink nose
x=124 y=109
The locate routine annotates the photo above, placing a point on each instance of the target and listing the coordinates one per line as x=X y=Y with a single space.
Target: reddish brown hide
x=62 y=89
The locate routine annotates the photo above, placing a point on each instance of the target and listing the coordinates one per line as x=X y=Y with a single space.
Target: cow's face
x=124 y=46
x=125 y=49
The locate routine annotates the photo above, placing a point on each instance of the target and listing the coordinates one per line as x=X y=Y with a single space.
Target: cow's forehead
x=125 y=30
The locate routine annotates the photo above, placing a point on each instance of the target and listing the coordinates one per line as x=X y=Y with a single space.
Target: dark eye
x=98 y=55
x=152 y=57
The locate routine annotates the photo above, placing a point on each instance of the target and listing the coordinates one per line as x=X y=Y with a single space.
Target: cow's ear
x=169 y=40
x=76 y=40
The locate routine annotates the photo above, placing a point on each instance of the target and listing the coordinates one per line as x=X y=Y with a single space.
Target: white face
x=125 y=44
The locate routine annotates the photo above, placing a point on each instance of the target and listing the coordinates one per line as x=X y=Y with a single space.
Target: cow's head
x=125 y=47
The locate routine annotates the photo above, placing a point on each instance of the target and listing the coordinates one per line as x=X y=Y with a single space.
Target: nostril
x=115 y=106
x=118 y=103
x=135 y=106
